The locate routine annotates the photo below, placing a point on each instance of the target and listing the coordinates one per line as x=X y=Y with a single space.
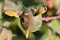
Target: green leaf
x=55 y=25
x=45 y=35
x=43 y=28
x=48 y=36
x=55 y=38
x=32 y=36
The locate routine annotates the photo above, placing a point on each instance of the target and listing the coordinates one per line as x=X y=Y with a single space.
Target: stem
x=50 y=18
x=20 y=26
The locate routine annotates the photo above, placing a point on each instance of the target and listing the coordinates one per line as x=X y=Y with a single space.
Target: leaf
x=44 y=32
x=32 y=36
x=43 y=28
x=45 y=35
x=48 y=35
x=54 y=37
x=55 y=25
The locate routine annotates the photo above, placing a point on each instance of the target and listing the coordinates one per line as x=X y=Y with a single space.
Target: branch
x=50 y=18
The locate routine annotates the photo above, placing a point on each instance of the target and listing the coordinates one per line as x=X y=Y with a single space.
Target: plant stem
x=21 y=28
